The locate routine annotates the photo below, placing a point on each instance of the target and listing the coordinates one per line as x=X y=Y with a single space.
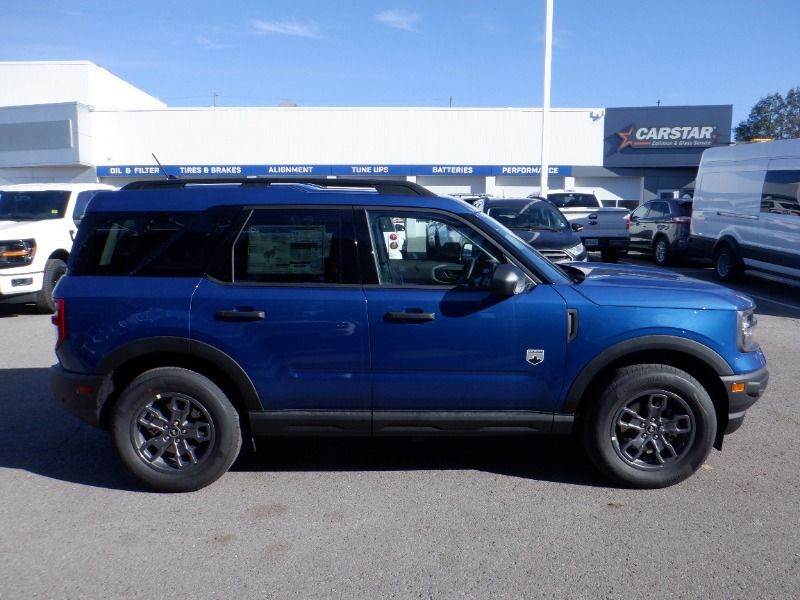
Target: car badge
x=534 y=357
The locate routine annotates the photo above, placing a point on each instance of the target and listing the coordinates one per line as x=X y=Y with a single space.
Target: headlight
x=747 y=325
x=16 y=253
x=576 y=250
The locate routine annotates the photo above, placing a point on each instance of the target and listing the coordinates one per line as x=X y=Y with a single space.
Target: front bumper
x=79 y=393
x=18 y=282
x=752 y=386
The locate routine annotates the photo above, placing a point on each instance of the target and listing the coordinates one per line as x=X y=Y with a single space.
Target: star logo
x=625 y=136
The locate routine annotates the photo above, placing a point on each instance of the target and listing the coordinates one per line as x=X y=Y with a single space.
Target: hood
x=650 y=287
x=21 y=230
x=545 y=239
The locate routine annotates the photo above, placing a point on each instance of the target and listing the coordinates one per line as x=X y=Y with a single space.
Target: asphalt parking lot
x=397 y=518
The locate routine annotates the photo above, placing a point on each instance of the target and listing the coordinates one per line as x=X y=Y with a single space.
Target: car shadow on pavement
x=41 y=438
x=46 y=440
x=557 y=460
x=15 y=310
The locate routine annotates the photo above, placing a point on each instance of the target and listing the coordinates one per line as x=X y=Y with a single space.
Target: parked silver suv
x=661 y=227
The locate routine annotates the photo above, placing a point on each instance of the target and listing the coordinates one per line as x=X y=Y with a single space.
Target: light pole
x=548 y=58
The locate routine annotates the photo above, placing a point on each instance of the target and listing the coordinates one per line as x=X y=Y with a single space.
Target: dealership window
x=781 y=193
x=296 y=246
x=426 y=249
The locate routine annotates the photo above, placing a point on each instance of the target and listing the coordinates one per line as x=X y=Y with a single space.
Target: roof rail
x=382 y=186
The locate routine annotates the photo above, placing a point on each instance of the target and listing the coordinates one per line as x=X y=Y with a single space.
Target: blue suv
x=198 y=313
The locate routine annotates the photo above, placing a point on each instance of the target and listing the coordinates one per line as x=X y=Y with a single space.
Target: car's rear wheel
x=652 y=426
x=54 y=269
x=175 y=430
x=727 y=264
x=661 y=252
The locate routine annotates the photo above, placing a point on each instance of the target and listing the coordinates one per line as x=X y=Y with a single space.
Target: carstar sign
x=667 y=137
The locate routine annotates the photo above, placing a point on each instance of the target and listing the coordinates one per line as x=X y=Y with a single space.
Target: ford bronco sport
x=198 y=313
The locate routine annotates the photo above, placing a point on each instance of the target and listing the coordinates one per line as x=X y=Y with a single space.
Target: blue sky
x=422 y=53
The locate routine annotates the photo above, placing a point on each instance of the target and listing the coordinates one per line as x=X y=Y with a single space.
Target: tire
x=653 y=426
x=662 y=252
x=609 y=256
x=53 y=271
x=727 y=264
x=175 y=430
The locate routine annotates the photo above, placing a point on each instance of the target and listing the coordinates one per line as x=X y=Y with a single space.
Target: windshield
x=33 y=206
x=567 y=200
x=532 y=215
x=550 y=271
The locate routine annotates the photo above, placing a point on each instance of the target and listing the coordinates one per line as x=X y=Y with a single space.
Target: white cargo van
x=38 y=222
x=746 y=210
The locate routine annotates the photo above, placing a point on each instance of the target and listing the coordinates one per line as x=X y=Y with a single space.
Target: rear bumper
x=605 y=243
x=754 y=384
x=78 y=393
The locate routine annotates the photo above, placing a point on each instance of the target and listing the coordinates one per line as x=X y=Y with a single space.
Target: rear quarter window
x=148 y=244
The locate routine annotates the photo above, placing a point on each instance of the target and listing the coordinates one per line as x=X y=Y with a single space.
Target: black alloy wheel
x=175 y=430
x=653 y=430
x=652 y=426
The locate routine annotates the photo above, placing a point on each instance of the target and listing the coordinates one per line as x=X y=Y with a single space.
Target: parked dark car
x=539 y=224
x=661 y=227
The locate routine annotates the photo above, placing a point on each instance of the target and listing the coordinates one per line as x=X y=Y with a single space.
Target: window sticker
x=286 y=250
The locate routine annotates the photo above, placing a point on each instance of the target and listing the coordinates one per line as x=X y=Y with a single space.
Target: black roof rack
x=382 y=186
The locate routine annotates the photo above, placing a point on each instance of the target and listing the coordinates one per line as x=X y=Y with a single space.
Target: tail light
x=393 y=236
x=393 y=245
x=627 y=222
x=59 y=319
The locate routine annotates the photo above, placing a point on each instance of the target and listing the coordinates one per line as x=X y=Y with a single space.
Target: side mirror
x=576 y=227
x=508 y=280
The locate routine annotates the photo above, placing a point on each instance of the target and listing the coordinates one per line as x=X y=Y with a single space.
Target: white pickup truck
x=605 y=229
x=38 y=222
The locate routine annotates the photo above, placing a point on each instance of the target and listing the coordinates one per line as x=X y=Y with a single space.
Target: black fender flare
x=648 y=343
x=190 y=349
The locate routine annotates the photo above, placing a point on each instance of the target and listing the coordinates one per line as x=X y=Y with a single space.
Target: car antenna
x=160 y=166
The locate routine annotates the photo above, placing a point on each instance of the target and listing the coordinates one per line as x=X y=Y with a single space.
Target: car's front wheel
x=54 y=269
x=652 y=426
x=175 y=430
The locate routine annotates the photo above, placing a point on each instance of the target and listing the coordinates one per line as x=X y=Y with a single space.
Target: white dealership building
x=75 y=121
